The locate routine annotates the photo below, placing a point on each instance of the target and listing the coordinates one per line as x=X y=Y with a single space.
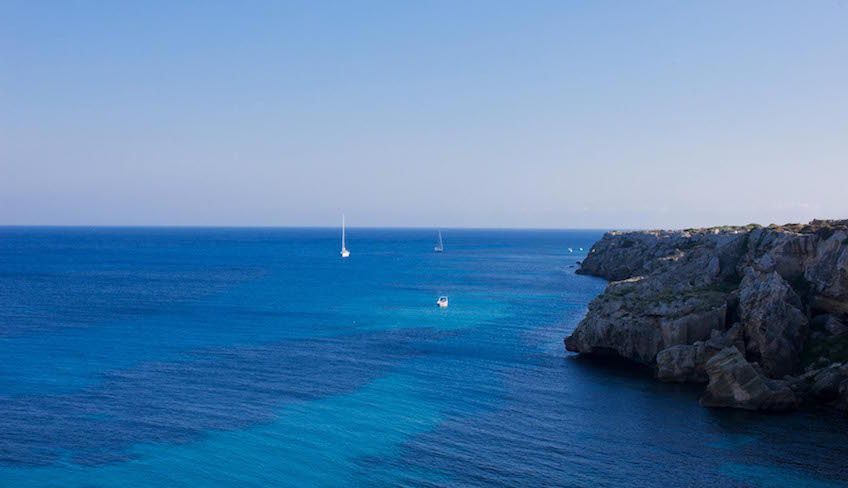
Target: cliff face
x=761 y=313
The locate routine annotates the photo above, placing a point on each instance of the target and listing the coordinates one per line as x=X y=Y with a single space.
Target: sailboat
x=440 y=246
x=345 y=253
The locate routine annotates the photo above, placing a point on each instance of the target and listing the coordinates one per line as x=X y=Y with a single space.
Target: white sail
x=440 y=246
x=345 y=253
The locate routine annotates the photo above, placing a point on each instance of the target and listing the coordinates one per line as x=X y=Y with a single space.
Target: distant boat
x=442 y=302
x=570 y=250
x=345 y=253
x=440 y=246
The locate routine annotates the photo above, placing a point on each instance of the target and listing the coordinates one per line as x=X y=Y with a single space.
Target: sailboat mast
x=345 y=253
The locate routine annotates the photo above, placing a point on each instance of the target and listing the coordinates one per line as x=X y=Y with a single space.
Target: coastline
x=759 y=314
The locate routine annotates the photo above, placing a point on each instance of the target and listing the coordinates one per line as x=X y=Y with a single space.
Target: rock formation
x=759 y=313
x=734 y=382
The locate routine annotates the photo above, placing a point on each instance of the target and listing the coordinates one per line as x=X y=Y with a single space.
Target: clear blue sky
x=484 y=113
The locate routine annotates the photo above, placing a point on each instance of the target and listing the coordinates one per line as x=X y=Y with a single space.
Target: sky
x=553 y=114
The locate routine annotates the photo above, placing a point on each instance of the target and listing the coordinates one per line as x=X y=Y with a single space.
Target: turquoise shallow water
x=257 y=357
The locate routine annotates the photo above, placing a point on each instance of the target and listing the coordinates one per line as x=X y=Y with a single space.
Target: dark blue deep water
x=257 y=357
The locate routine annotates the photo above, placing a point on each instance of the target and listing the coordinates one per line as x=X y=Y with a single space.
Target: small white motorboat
x=442 y=302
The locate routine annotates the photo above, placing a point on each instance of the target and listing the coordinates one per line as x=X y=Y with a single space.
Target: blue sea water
x=258 y=357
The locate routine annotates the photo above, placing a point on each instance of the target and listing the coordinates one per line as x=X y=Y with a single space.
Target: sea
x=218 y=357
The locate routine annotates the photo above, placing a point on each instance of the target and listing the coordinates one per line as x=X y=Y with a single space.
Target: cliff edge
x=758 y=313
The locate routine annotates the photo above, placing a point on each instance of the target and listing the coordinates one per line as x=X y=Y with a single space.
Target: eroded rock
x=775 y=327
x=736 y=383
x=685 y=363
x=842 y=397
x=674 y=295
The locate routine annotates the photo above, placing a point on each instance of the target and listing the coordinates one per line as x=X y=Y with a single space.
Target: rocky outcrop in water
x=734 y=382
x=758 y=313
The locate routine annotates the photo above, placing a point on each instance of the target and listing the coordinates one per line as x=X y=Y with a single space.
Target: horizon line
x=202 y=226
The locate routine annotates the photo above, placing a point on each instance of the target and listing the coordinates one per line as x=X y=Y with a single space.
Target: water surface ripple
x=257 y=357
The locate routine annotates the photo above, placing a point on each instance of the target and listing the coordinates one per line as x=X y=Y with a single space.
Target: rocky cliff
x=760 y=314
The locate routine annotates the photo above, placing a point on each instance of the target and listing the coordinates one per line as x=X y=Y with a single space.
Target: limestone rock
x=674 y=294
x=827 y=272
x=825 y=382
x=621 y=255
x=680 y=299
x=641 y=325
x=685 y=363
x=734 y=382
x=842 y=397
x=775 y=326
x=827 y=325
x=785 y=253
